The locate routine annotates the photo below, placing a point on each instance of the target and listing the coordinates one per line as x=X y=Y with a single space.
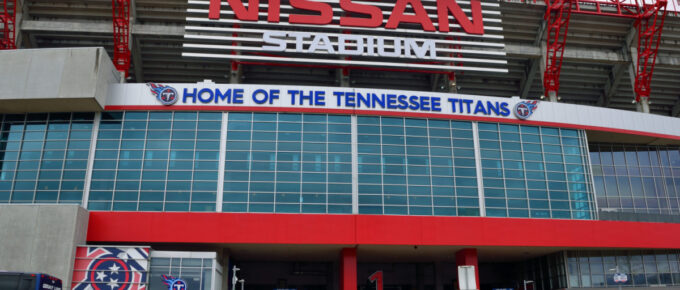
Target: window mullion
x=355 y=165
x=90 y=159
x=478 y=169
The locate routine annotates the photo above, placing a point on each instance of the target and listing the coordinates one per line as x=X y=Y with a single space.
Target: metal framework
x=649 y=27
x=121 y=35
x=649 y=19
x=8 y=24
x=557 y=18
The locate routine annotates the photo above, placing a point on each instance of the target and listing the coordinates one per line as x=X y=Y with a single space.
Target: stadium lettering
x=479 y=107
x=350 y=44
x=343 y=99
x=321 y=13
x=206 y=95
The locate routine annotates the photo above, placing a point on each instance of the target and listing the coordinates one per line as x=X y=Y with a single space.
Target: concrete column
x=468 y=257
x=343 y=77
x=348 y=269
x=41 y=238
x=552 y=96
x=451 y=85
x=235 y=73
x=642 y=105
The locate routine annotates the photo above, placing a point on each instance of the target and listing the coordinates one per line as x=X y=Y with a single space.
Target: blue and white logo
x=523 y=110
x=174 y=283
x=620 y=278
x=167 y=95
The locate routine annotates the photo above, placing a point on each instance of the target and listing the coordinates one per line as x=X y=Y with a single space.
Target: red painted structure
x=649 y=19
x=121 y=35
x=649 y=27
x=8 y=20
x=384 y=230
x=348 y=269
x=307 y=229
x=557 y=20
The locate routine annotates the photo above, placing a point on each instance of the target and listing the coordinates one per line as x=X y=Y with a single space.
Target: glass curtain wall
x=641 y=179
x=156 y=161
x=43 y=157
x=416 y=167
x=643 y=268
x=545 y=273
x=535 y=172
x=302 y=163
x=290 y=163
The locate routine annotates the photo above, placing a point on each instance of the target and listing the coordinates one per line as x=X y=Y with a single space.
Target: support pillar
x=468 y=257
x=643 y=105
x=451 y=83
x=348 y=269
x=548 y=95
x=236 y=71
x=343 y=77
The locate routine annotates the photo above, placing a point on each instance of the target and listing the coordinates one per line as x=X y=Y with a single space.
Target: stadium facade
x=314 y=164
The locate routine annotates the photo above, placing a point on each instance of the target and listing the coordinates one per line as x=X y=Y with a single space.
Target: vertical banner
x=111 y=268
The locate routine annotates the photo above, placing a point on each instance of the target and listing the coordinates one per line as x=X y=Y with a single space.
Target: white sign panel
x=211 y=96
x=343 y=100
x=425 y=35
x=466 y=278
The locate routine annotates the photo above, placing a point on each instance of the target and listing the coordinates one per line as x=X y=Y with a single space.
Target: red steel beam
x=8 y=24
x=606 y=8
x=649 y=27
x=121 y=35
x=334 y=229
x=557 y=18
x=649 y=23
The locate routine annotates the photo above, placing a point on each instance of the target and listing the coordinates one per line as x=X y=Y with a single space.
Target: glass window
x=427 y=184
x=147 y=171
x=306 y=154
x=196 y=272
x=639 y=171
x=57 y=144
x=527 y=160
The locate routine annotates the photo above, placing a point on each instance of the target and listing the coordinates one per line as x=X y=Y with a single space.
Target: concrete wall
x=55 y=79
x=41 y=238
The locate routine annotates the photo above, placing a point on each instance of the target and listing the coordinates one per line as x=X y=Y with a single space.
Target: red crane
x=649 y=19
x=8 y=24
x=121 y=35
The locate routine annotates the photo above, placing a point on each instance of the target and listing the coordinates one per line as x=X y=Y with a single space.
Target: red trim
x=385 y=113
x=153 y=227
